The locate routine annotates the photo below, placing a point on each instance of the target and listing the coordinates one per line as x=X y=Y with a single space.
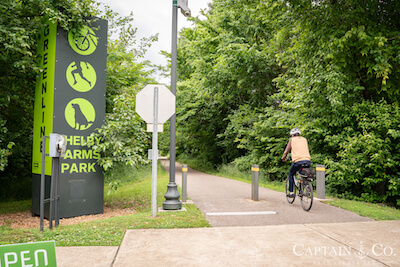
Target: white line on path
x=241 y=213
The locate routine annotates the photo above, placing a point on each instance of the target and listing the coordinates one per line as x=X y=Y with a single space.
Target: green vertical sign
x=44 y=95
x=77 y=108
x=28 y=254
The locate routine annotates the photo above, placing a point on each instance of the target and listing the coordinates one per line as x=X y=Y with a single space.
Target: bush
x=367 y=164
x=124 y=139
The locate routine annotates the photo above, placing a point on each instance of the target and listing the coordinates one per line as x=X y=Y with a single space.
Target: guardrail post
x=184 y=182
x=320 y=181
x=254 y=182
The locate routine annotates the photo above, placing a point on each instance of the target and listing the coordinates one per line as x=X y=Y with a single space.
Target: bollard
x=320 y=181
x=254 y=182
x=184 y=182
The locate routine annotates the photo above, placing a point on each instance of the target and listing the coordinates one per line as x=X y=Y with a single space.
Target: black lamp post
x=172 y=201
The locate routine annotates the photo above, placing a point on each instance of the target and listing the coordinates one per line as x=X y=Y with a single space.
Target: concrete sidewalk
x=333 y=244
x=325 y=236
x=339 y=244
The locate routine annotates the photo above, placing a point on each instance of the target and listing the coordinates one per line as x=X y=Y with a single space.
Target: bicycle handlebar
x=287 y=159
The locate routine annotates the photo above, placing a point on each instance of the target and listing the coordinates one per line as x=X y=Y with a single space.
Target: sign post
x=155 y=104
x=155 y=156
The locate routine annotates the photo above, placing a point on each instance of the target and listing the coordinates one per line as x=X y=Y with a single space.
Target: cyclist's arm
x=287 y=150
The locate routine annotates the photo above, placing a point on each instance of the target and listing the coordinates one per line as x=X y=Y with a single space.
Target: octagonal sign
x=145 y=103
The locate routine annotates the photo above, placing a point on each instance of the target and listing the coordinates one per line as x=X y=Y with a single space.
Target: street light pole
x=172 y=201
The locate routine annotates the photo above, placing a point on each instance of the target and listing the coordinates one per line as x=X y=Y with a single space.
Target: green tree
x=342 y=68
x=224 y=64
x=20 y=22
x=4 y=152
x=124 y=137
x=251 y=70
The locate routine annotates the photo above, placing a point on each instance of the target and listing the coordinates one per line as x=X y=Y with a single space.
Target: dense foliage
x=251 y=70
x=124 y=137
x=20 y=22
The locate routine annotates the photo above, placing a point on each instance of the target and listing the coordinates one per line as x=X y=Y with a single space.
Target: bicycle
x=302 y=183
x=83 y=42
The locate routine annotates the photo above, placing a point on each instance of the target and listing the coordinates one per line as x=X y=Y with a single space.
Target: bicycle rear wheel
x=289 y=198
x=306 y=195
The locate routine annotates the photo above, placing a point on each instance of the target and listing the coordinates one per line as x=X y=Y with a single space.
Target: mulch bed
x=24 y=220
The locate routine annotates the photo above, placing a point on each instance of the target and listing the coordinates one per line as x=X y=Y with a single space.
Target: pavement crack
x=116 y=252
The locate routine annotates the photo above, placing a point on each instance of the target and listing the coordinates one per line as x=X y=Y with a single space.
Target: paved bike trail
x=227 y=202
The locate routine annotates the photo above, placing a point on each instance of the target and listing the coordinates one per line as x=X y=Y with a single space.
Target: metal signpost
x=155 y=104
x=57 y=149
x=155 y=156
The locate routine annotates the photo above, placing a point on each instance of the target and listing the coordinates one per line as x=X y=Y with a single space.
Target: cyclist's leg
x=292 y=172
x=296 y=166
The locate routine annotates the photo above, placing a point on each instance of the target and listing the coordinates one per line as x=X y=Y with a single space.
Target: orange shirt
x=298 y=146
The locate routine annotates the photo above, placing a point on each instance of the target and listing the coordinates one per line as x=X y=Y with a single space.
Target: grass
x=371 y=210
x=134 y=190
x=106 y=232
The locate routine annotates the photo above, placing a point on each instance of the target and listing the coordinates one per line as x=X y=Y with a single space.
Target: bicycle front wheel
x=306 y=195
x=290 y=198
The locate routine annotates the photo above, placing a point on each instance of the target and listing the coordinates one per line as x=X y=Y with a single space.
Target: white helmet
x=295 y=131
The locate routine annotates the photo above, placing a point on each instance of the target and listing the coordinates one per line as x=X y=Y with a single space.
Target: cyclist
x=298 y=147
